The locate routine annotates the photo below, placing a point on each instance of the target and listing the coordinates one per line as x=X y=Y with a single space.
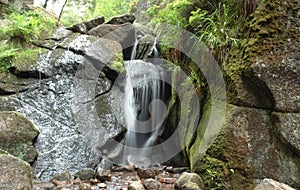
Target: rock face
x=68 y=93
x=14 y=173
x=17 y=134
x=269 y=184
x=260 y=134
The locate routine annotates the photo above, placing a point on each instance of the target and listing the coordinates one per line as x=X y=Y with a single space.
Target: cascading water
x=145 y=106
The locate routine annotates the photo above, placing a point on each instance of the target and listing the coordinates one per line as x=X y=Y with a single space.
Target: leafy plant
x=25 y=26
x=7 y=53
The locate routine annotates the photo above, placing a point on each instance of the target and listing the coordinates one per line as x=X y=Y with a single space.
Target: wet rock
x=136 y=185
x=85 y=174
x=145 y=173
x=152 y=184
x=85 y=186
x=14 y=173
x=287 y=128
x=189 y=181
x=64 y=176
x=17 y=134
x=122 y=19
x=84 y=27
x=103 y=175
x=269 y=184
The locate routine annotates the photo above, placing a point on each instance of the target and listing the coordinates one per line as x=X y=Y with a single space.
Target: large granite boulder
x=17 y=134
x=70 y=92
x=14 y=173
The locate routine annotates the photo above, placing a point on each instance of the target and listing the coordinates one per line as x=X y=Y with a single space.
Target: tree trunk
x=62 y=10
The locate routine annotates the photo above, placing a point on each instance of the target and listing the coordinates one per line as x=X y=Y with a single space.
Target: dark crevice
x=28 y=74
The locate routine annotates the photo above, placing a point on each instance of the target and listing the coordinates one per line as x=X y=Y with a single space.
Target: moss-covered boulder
x=246 y=149
x=17 y=134
x=14 y=173
x=263 y=71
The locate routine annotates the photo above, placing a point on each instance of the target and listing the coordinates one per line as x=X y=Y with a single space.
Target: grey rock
x=269 y=184
x=122 y=19
x=84 y=27
x=14 y=173
x=189 y=181
x=124 y=34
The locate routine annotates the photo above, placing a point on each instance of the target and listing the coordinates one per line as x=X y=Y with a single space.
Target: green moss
x=118 y=63
x=27 y=59
x=23 y=151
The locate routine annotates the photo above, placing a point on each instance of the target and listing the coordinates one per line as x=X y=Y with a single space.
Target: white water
x=145 y=108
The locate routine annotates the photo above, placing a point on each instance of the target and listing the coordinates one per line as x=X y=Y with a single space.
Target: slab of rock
x=189 y=181
x=14 y=173
x=17 y=134
x=122 y=19
x=269 y=184
x=84 y=27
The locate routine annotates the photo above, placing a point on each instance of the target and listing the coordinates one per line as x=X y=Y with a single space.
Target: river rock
x=152 y=184
x=269 y=184
x=64 y=176
x=14 y=173
x=85 y=26
x=145 y=173
x=189 y=181
x=135 y=185
x=17 y=134
x=85 y=174
x=122 y=19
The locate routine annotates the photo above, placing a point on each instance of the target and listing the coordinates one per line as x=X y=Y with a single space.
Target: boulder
x=84 y=27
x=246 y=148
x=74 y=74
x=17 y=134
x=122 y=19
x=269 y=184
x=14 y=173
x=189 y=181
x=124 y=34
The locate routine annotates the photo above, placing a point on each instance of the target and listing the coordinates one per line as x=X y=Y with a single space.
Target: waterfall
x=145 y=106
